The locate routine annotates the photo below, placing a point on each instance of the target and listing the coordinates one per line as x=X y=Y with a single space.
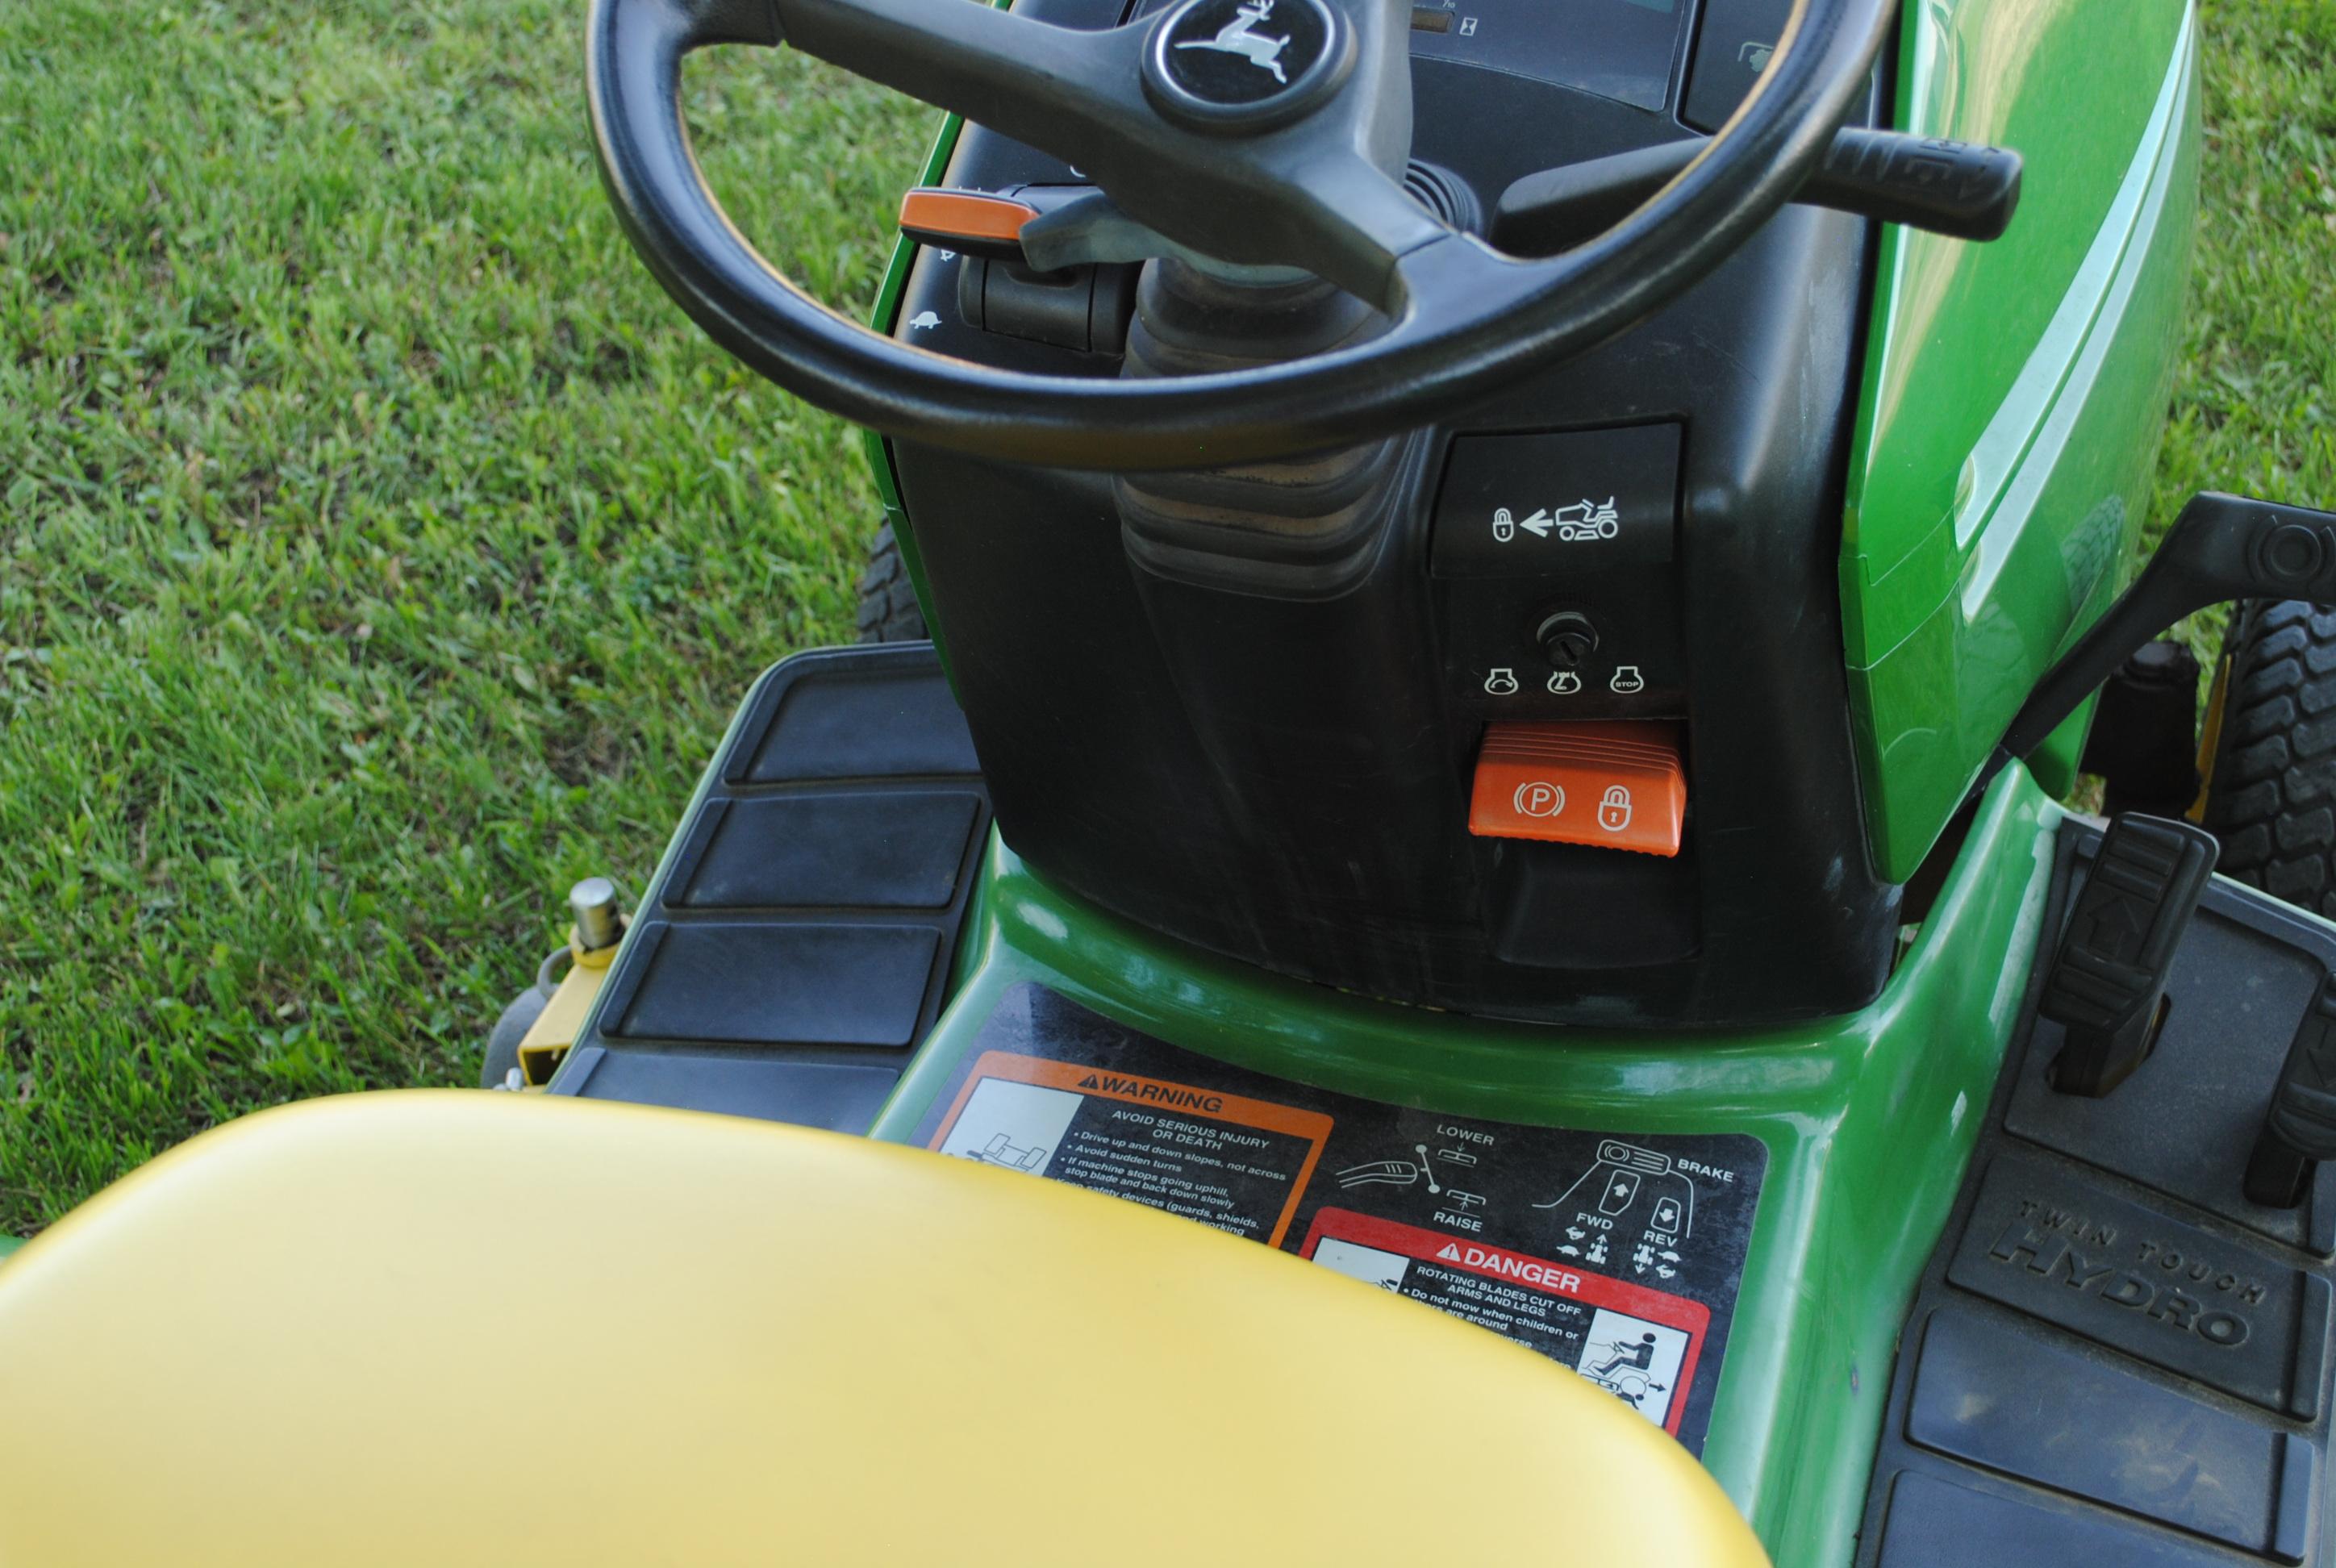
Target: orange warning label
x=1238 y=1164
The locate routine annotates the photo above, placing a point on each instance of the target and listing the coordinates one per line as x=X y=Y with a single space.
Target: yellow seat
x=438 y=1328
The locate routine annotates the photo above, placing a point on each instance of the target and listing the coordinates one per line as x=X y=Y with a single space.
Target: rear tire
x=2272 y=797
x=888 y=599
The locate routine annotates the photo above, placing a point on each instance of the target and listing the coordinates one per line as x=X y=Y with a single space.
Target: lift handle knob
x=2299 y=1131
x=1952 y=187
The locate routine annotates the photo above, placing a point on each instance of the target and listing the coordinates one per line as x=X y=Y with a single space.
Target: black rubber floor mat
x=796 y=944
x=2115 y=1356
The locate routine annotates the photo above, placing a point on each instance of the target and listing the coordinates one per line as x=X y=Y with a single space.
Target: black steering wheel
x=1262 y=133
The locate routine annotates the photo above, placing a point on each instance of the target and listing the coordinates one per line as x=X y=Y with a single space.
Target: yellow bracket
x=555 y=1028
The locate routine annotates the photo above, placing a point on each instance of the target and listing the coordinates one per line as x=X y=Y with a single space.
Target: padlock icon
x=1614 y=809
x=1504 y=526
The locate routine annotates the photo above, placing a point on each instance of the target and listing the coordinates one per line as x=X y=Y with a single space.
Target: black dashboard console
x=1243 y=708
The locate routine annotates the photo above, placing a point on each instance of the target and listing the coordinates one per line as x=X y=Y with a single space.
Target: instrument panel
x=1618 y=49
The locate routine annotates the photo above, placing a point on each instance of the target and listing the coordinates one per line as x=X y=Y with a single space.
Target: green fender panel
x=2014 y=392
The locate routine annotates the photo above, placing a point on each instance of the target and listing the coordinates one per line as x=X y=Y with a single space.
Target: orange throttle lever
x=972 y=222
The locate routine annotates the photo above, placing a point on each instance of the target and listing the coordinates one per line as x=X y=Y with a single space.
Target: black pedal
x=2300 y=1129
x=2108 y=984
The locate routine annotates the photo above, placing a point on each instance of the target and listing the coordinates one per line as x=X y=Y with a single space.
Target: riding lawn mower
x=1434 y=925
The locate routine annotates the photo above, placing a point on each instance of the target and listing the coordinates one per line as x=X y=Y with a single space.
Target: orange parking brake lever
x=972 y=222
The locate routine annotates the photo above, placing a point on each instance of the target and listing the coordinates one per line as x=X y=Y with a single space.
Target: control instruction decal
x=1619 y=1255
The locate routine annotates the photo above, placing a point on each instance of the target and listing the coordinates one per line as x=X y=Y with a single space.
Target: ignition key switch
x=1566 y=638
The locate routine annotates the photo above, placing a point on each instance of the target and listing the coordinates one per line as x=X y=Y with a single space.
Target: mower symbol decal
x=1000 y=1151
x=1587 y=520
x=1570 y=524
x=1014 y=1127
x=1239 y=36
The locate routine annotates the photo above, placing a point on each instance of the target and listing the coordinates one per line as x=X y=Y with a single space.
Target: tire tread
x=888 y=611
x=2276 y=767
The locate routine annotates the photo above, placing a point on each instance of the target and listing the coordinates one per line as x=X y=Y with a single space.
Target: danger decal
x=1619 y=1255
x=1639 y=1345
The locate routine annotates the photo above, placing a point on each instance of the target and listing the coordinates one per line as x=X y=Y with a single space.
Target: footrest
x=2117 y=1353
x=796 y=945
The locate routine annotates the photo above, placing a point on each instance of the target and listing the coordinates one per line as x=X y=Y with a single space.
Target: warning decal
x=1619 y=1255
x=1639 y=1345
x=1236 y=1164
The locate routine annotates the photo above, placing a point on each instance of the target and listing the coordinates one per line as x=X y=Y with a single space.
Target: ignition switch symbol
x=1627 y=679
x=1614 y=810
x=1501 y=682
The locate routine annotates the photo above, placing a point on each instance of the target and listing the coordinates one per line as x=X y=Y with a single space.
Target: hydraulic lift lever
x=2222 y=548
x=1951 y=187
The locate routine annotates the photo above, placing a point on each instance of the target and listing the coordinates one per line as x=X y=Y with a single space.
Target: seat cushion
x=434 y=1326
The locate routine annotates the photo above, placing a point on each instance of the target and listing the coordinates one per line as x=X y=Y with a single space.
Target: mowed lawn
x=379 y=550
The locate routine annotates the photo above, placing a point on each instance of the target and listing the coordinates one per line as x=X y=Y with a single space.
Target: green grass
x=379 y=550
x=2253 y=409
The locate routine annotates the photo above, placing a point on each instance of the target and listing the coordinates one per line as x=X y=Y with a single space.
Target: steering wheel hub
x=1246 y=64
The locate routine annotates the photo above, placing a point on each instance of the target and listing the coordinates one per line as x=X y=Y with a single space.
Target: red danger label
x=1615 y=1254
x=1640 y=1345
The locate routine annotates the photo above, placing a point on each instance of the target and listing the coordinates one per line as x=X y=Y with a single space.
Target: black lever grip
x=2222 y=548
x=1951 y=187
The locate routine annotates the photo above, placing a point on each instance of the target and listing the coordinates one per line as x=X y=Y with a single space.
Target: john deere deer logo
x=1239 y=36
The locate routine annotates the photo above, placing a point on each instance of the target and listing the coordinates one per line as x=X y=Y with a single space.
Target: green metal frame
x=1869 y=1121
